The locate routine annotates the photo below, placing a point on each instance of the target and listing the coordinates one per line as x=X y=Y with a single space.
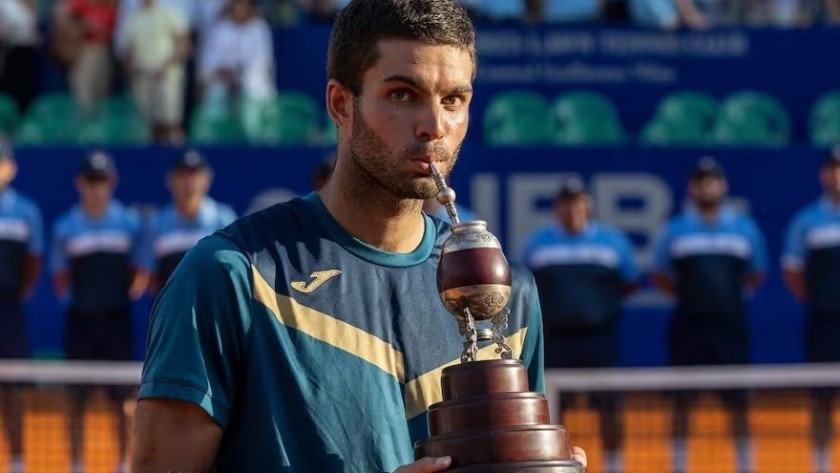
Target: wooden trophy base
x=489 y=422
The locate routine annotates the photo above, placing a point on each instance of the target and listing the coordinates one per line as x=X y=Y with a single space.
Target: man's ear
x=339 y=103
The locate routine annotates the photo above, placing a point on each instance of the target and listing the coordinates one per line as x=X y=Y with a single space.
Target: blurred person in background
x=157 y=46
x=82 y=34
x=236 y=66
x=191 y=216
x=583 y=270
x=321 y=11
x=811 y=269
x=19 y=41
x=709 y=259
x=21 y=248
x=568 y=11
x=668 y=14
x=94 y=261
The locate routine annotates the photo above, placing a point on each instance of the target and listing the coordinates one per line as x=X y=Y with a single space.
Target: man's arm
x=31 y=271
x=795 y=282
x=173 y=436
x=663 y=282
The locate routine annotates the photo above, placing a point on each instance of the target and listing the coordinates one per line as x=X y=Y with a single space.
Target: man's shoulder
x=279 y=224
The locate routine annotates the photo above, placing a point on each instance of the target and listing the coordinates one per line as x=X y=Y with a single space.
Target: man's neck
x=709 y=214
x=94 y=212
x=832 y=197
x=188 y=209
x=373 y=215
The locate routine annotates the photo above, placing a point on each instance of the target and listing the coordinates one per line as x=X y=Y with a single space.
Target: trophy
x=488 y=420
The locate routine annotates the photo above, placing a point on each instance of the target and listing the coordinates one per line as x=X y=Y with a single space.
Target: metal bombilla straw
x=446 y=197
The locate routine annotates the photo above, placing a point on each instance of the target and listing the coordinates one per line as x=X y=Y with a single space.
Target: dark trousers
x=13 y=334
x=597 y=349
x=714 y=339
x=822 y=346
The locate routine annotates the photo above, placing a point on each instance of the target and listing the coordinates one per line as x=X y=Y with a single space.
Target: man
x=21 y=247
x=191 y=216
x=94 y=261
x=811 y=268
x=583 y=270
x=157 y=46
x=308 y=336
x=708 y=259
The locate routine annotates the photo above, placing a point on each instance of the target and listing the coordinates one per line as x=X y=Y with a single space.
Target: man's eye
x=400 y=95
x=453 y=100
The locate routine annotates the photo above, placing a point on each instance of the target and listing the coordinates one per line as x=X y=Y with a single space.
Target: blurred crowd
x=173 y=57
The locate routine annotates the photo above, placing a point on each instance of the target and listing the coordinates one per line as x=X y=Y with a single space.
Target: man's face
x=708 y=191
x=830 y=178
x=95 y=191
x=413 y=109
x=8 y=171
x=188 y=184
x=573 y=212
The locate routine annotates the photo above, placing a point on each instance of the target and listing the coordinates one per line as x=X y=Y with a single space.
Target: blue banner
x=637 y=190
x=634 y=67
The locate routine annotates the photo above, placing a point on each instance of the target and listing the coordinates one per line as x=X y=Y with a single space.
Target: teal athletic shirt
x=314 y=351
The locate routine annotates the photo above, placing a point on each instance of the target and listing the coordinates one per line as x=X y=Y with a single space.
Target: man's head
x=707 y=186
x=830 y=174
x=401 y=76
x=96 y=180
x=8 y=165
x=189 y=178
x=241 y=10
x=572 y=205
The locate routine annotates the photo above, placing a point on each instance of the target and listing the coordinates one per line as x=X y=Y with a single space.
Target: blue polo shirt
x=710 y=260
x=171 y=235
x=580 y=276
x=98 y=254
x=21 y=236
x=812 y=244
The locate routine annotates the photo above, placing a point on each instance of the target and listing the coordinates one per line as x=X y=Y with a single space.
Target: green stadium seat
x=688 y=107
x=827 y=108
x=681 y=119
x=750 y=118
x=129 y=130
x=674 y=133
x=824 y=121
x=53 y=118
x=116 y=122
x=217 y=129
x=293 y=118
x=9 y=115
x=827 y=134
x=585 y=119
x=516 y=118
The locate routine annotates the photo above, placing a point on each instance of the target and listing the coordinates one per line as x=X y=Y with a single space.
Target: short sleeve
x=36 y=232
x=58 y=250
x=146 y=256
x=793 y=256
x=758 y=255
x=661 y=252
x=198 y=328
x=627 y=260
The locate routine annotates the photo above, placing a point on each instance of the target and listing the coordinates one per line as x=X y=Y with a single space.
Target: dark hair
x=362 y=23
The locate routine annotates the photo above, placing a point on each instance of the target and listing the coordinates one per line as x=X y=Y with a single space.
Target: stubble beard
x=375 y=166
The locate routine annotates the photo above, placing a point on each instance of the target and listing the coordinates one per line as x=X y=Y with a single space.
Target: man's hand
x=426 y=465
x=435 y=464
